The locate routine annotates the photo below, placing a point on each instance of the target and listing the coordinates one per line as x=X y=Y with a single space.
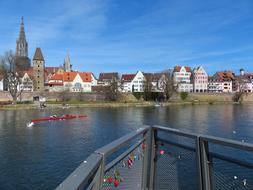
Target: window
x=78 y=85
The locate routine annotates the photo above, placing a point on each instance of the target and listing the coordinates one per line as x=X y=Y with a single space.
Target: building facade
x=243 y=82
x=26 y=83
x=1 y=83
x=133 y=82
x=38 y=70
x=182 y=77
x=200 y=80
x=222 y=82
x=106 y=79
x=126 y=82
x=70 y=81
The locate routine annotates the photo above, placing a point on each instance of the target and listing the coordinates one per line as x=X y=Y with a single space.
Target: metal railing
x=164 y=158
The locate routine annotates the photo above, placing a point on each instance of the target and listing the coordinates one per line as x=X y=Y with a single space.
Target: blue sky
x=130 y=35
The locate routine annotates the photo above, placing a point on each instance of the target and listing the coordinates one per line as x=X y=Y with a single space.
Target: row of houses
x=185 y=79
x=38 y=77
x=197 y=80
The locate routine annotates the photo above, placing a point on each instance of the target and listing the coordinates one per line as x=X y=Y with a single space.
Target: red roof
x=86 y=77
x=56 y=77
x=69 y=76
x=178 y=68
x=128 y=77
x=226 y=75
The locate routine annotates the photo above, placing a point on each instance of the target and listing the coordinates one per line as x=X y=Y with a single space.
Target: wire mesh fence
x=127 y=173
x=175 y=164
x=227 y=175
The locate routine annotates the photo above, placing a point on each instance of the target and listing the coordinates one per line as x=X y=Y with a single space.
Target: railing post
x=145 y=160
x=99 y=178
x=152 y=156
x=199 y=165
x=206 y=165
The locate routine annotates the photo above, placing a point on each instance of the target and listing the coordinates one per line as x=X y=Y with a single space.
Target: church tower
x=38 y=70
x=22 y=45
x=22 y=62
x=67 y=65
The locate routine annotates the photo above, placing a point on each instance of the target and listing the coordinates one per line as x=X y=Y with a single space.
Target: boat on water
x=30 y=124
x=55 y=118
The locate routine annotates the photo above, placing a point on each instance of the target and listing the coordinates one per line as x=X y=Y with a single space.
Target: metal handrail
x=175 y=131
x=115 y=145
x=91 y=172
x=83 y=174
x=227 y=142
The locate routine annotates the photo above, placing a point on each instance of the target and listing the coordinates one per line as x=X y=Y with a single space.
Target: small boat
x=30 y=124
x=55 y=118
x=65 y=106
x=157 y=104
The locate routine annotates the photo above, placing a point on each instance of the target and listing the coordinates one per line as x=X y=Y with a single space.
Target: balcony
x=164 y=158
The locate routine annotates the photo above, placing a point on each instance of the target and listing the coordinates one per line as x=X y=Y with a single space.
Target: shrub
x=138 y=95
x=183 y=95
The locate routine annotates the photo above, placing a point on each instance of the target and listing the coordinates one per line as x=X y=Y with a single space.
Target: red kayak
x=58 y=118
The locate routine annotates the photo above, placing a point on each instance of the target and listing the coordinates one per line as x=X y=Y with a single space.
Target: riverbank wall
x=101 y=97
x=54 y=96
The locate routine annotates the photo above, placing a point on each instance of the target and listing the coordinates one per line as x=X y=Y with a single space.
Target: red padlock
x=109 y=180
x=116 y=183
x=143 y=146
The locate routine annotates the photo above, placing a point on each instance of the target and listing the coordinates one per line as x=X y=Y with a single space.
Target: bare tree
x=241 y=89
x=148 y=87
x=11 y=77
x=112 y=92
x=167 y=86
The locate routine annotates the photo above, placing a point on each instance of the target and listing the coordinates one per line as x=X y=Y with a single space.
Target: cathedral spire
x=67 y=64
x=22 y=46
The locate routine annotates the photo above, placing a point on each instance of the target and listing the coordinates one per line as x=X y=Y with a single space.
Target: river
x=43 y=156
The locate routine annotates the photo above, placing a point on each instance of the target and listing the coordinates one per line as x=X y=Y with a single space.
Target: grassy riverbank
x=102 y=104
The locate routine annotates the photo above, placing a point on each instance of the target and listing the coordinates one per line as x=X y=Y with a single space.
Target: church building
x=22 y=61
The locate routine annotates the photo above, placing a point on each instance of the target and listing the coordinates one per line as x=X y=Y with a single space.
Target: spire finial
x=22 y=20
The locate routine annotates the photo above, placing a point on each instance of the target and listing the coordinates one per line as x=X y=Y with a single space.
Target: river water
x=43 y=156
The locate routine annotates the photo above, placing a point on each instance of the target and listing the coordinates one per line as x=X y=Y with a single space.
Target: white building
x=1 y=83
x=133 y=82
x=94 y=81
x=221 y=82
x=215 y=85
x=243 y=82
x=26 y=83
x=71 y=81
x=182 y=79
x=200 y=80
